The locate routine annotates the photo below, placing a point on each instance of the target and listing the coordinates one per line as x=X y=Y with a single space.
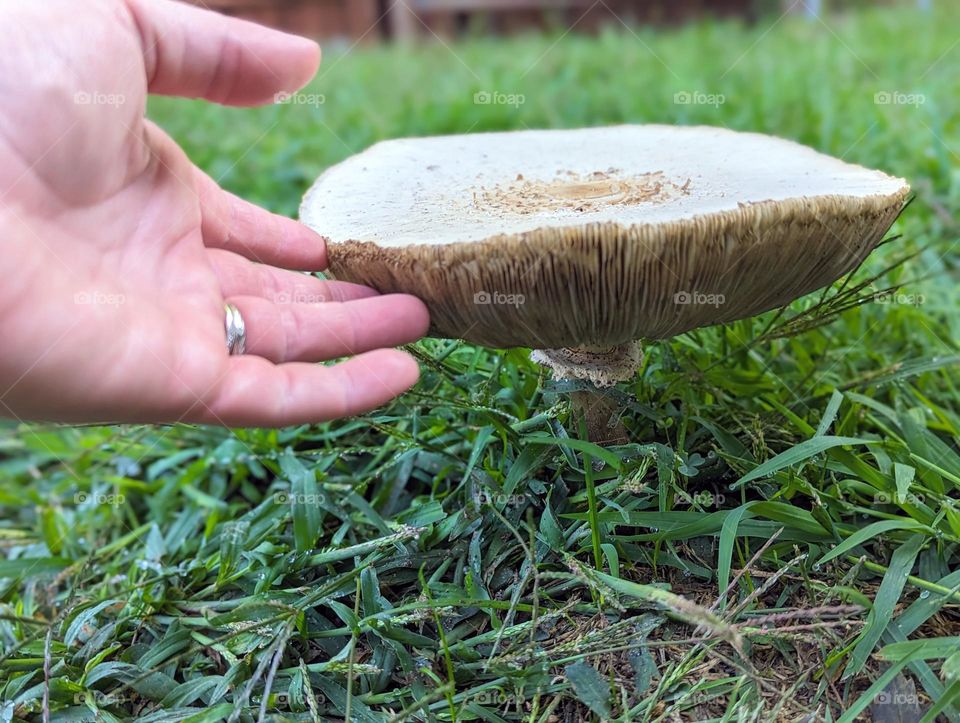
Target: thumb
x=196 y=53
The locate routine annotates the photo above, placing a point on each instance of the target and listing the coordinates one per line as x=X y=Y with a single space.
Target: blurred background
x=378 y=20
x=871 y=81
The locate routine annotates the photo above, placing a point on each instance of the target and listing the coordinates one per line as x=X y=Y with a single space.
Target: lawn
x=778 y=542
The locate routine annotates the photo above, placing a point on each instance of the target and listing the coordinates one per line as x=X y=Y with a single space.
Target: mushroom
x=578 y=243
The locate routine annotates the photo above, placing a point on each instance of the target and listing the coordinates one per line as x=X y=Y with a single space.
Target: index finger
x=195 y=53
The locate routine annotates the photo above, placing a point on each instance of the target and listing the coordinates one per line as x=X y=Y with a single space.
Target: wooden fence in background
x=355 y=19
x=418 y=17
x=373 y=20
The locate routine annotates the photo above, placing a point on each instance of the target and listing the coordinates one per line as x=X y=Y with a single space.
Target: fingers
x=195 y=53
x=239 y=277
x=233 y=224
x=256 y=393
x=315 y=332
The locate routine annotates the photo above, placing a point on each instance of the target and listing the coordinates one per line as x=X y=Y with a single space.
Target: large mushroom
x=578 y=243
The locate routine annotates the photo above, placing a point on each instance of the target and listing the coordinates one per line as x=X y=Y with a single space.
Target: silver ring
x=236 y=331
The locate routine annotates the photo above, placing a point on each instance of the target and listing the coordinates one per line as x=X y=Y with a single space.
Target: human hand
x=118 y=255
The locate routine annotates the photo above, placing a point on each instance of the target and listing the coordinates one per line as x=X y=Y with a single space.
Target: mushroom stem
x=600 y=367
x=601 y=416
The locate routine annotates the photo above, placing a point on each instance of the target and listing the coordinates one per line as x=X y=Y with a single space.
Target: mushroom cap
x=598 y=236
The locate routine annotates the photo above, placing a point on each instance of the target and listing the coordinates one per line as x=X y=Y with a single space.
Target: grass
x=779 y=541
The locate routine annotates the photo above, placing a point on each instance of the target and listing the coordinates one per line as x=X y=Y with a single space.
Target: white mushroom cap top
x=598 y=236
